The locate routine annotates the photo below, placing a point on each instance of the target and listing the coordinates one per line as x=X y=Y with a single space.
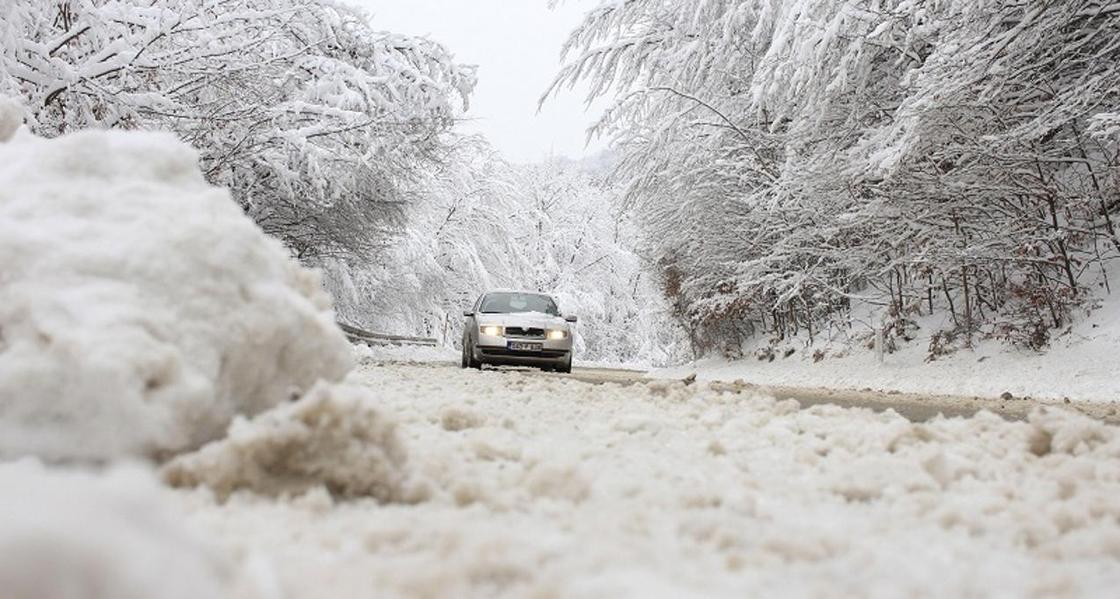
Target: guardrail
x=356 y=335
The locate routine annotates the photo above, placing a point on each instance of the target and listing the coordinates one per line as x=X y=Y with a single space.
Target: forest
x=801 y=170
x=790 y=163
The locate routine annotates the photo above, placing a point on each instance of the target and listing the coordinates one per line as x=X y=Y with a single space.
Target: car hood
x=523 y=319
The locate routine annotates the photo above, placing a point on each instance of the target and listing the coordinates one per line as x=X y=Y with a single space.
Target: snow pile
x=1080 y=364
x=547 y=487
x=1059 y=431
x=332 y=437
x=68 y=534
x=140 y=310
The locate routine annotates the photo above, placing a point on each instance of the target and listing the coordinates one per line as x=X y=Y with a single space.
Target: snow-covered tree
x=787 y=159
x=311 y=117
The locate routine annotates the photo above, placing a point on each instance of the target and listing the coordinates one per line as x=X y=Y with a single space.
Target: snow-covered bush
x=140 y=309
x=334 y=437
x=69 y=534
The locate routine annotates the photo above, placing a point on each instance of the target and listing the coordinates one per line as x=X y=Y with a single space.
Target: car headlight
x=492 y=330
x=556 y=335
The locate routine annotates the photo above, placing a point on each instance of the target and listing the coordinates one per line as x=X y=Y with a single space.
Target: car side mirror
x=468 y=313
x=570 y=317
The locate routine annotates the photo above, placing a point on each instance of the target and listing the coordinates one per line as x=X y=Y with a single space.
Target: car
x=517 y=328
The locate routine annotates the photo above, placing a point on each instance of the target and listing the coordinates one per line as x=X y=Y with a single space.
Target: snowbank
x=66 y=534
x=365 y=354
x=334 y=437
x=140 y=310
x=547 y=487
x=1080 y=364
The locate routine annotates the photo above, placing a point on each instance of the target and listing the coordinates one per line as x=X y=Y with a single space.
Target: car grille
x=527 y=333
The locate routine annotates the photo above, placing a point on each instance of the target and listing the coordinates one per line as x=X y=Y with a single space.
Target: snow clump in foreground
x=66 y=534
x=140 y=309
x=333 y=437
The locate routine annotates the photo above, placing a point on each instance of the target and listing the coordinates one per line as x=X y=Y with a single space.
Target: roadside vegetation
x=792 y=164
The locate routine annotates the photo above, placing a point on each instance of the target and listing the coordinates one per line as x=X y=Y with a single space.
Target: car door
x=470 y=324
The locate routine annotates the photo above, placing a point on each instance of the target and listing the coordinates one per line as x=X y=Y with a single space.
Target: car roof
x=548 y=295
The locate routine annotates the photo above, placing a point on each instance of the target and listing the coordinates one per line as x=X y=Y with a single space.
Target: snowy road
x=535 y=486
x=912 y=406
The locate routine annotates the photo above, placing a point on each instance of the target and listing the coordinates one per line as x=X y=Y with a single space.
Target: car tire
x=476 y=364
x=565 y=366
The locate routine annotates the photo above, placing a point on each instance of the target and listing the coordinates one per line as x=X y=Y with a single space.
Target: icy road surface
x=551 y=487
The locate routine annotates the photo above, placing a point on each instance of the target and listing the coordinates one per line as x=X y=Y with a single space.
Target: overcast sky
x=516 y=45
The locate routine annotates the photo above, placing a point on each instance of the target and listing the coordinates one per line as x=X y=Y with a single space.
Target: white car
x=517 y=328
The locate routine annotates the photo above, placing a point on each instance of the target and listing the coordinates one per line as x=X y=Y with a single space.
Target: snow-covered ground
x=426 y=354
x=404 y=353
x=530 y=486
x=1080 y=365
x=70 y=533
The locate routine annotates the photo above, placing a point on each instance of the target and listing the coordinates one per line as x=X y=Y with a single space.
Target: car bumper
x=495 y=350
x=503 y=357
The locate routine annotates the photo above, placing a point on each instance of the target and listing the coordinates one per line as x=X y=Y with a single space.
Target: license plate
x=520 y=346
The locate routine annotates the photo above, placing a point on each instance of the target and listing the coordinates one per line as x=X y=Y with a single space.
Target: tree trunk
x=967 y=307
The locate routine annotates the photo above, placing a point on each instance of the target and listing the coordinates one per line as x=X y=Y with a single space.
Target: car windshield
x=506 y=303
